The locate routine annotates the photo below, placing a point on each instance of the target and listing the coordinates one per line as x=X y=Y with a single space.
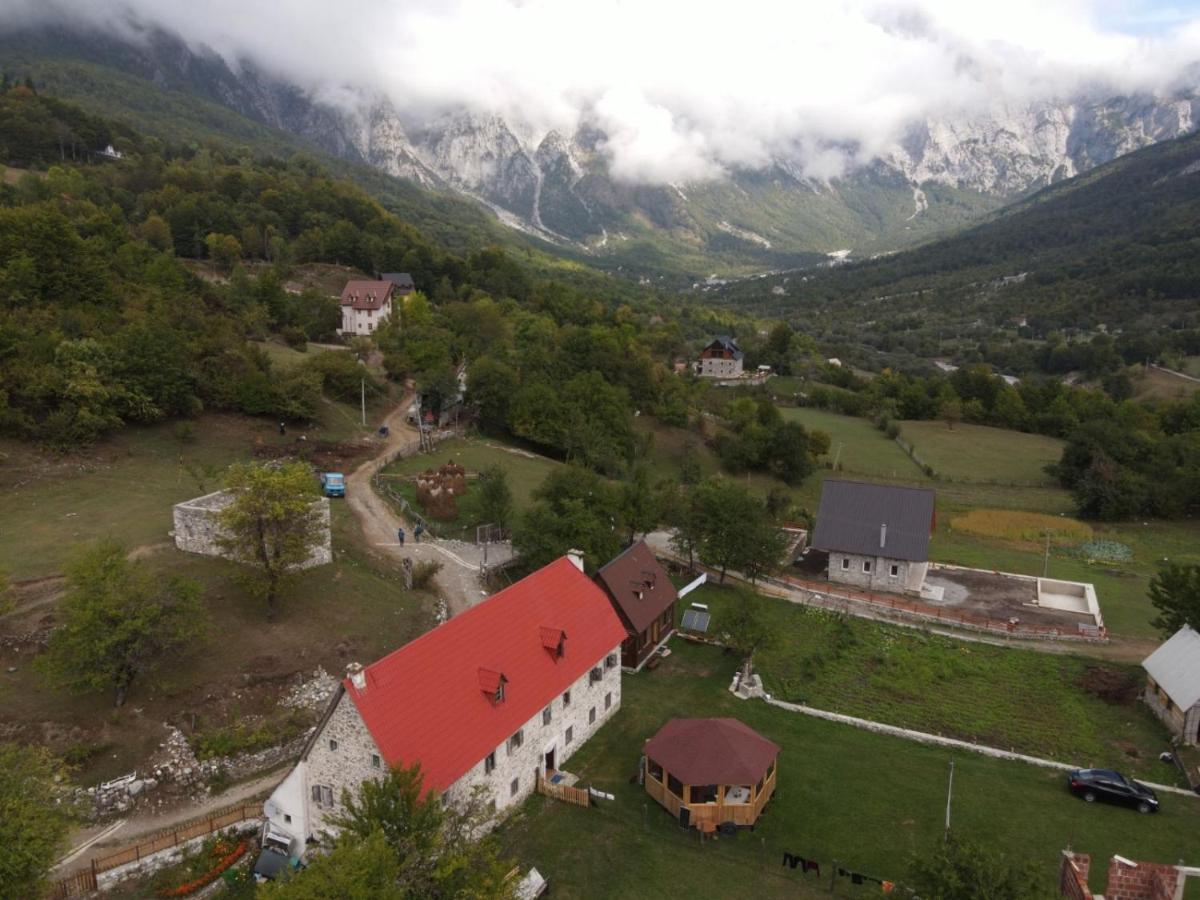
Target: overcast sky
x=685 y=88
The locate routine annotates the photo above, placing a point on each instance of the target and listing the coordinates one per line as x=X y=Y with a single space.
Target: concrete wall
x=908 y=578
x=363 y=321
x=197 y=529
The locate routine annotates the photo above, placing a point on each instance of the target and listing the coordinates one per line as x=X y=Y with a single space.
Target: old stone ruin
x=438 y=490
x=197 y=528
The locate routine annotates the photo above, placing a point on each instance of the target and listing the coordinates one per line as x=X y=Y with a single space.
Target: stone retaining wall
x=198 y=531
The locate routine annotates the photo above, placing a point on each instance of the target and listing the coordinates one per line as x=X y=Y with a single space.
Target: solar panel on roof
x=695 y=620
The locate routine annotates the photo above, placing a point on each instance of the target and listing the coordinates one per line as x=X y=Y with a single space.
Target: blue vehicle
x=333 y=484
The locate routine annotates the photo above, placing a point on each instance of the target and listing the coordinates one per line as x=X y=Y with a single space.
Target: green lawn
x=1004 y=697
x=980 y=453
x=864 y=800
x=858 y=446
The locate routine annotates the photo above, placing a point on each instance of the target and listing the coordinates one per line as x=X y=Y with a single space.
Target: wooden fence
x=577 y=796
x=79 y=883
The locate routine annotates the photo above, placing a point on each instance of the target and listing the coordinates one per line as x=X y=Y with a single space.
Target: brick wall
x=1145 y=881
x=1073 y=876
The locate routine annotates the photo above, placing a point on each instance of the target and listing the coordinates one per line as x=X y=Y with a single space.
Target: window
x=704 y=793
x=675 y=786
x=595 y=675
x=332 y=744
x=592 y=716
x=514 y=787
x=489 y=763
x=610 y=661
x=608 y=701
x=866 y=565
x=375 y=761
x=500 y=691
x=566 y=699
x=845 y=562
x=654 y=770
x=515 y=742
x=570 y=735
x=322 y=795
x=894 y=571
x=287 y=819
x=445 y=799
x=547 y=715
x=491 y=807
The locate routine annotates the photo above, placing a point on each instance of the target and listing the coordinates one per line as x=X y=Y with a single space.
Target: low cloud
x=686 y=90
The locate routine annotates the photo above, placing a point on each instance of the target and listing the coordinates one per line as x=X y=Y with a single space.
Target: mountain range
x=557 y=188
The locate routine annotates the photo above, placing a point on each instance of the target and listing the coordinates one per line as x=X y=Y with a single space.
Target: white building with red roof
x=485 y=702
x=365 y=305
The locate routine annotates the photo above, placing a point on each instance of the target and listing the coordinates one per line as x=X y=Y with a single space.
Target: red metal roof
x=367 y=294
x=712 y=751
x=427 y=701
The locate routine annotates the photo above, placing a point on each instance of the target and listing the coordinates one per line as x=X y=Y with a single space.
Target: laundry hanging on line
x=805 y=865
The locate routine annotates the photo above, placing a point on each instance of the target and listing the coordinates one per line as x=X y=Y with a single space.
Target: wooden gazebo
x=709 y=772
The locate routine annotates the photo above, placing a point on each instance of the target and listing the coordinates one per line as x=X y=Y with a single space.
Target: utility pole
x=838 y=455
x=1046 y=561
x=362 y=386
x=949 y=794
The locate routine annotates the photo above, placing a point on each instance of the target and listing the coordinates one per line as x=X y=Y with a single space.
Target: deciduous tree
x=121 y=621
x=1175 y=593
x=957 y=869
x=272 y=525
x=32 y=825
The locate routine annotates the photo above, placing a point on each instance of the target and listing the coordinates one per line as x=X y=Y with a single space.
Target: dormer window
x=492 y=683
x=554 y=640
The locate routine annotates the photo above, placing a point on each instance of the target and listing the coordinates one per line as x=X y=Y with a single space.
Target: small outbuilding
x=711 y=773
x=1173 y=684
x=644 y=598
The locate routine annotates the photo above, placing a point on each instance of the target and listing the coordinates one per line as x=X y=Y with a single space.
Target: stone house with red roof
x=365 y=306
x=486 y=703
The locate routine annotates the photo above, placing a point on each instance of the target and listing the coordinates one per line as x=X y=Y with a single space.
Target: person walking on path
x=417 y=532
x=282 y=429
x=400 y=536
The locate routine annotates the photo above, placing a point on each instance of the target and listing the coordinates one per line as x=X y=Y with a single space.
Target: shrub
x=423 y=573
x=295 y=338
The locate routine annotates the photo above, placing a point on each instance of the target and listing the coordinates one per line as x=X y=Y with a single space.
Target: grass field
x=354 y=609
x=125 y=486
x=858 y=447
x=1156 y=385
x=981 y=453
x=1044 y=704
x=865 y=800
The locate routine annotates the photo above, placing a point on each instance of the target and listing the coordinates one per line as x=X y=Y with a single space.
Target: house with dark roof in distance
x=644 y=598
x=876 y=535
x=722 y=358
x=402 y=280
x=487 y=703
x=365 y=306
x=1173 y=684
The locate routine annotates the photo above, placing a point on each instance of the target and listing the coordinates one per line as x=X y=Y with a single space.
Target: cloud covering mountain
x=681 y=91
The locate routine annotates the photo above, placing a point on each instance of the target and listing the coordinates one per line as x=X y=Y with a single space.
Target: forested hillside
x=105 y=323
x=1115 y=248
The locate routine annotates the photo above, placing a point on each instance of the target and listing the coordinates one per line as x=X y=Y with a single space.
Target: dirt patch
x=325 y=456
x=1120 y=687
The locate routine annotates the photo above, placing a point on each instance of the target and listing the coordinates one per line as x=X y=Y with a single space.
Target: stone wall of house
x=522 y=765
x=352 y=758
x=197 y=529
x=847 y=568
x=715 y=367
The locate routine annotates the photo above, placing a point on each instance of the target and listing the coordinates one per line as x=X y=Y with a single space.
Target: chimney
x=576 y=558
x=357 y=676
x=882 y=535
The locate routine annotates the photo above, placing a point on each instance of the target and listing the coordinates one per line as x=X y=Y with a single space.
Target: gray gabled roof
x=874 y=520
x=1175 y=667
x=399 y=279
x=725 y=342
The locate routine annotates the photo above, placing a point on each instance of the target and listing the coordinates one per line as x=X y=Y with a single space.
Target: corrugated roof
x=399 y=279
x=875 y=520
x=367 y=294
x=639 y=586
x=433 y=700
x=712 y=751
x=725 y=342
x=1175 y=667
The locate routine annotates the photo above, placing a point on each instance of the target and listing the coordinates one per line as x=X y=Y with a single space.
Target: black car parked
x=1105 y=784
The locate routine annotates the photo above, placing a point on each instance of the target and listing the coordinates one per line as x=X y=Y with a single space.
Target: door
x=550 y=760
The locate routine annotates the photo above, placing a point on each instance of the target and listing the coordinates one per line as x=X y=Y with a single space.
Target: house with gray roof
x=876 y=535
x=722 y=358
x=1173 y=684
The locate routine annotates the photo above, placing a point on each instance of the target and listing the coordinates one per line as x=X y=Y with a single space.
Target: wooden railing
x=577 y=796
x=79 y=883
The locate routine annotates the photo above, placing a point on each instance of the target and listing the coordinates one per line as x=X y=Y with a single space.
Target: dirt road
x=458 y=581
